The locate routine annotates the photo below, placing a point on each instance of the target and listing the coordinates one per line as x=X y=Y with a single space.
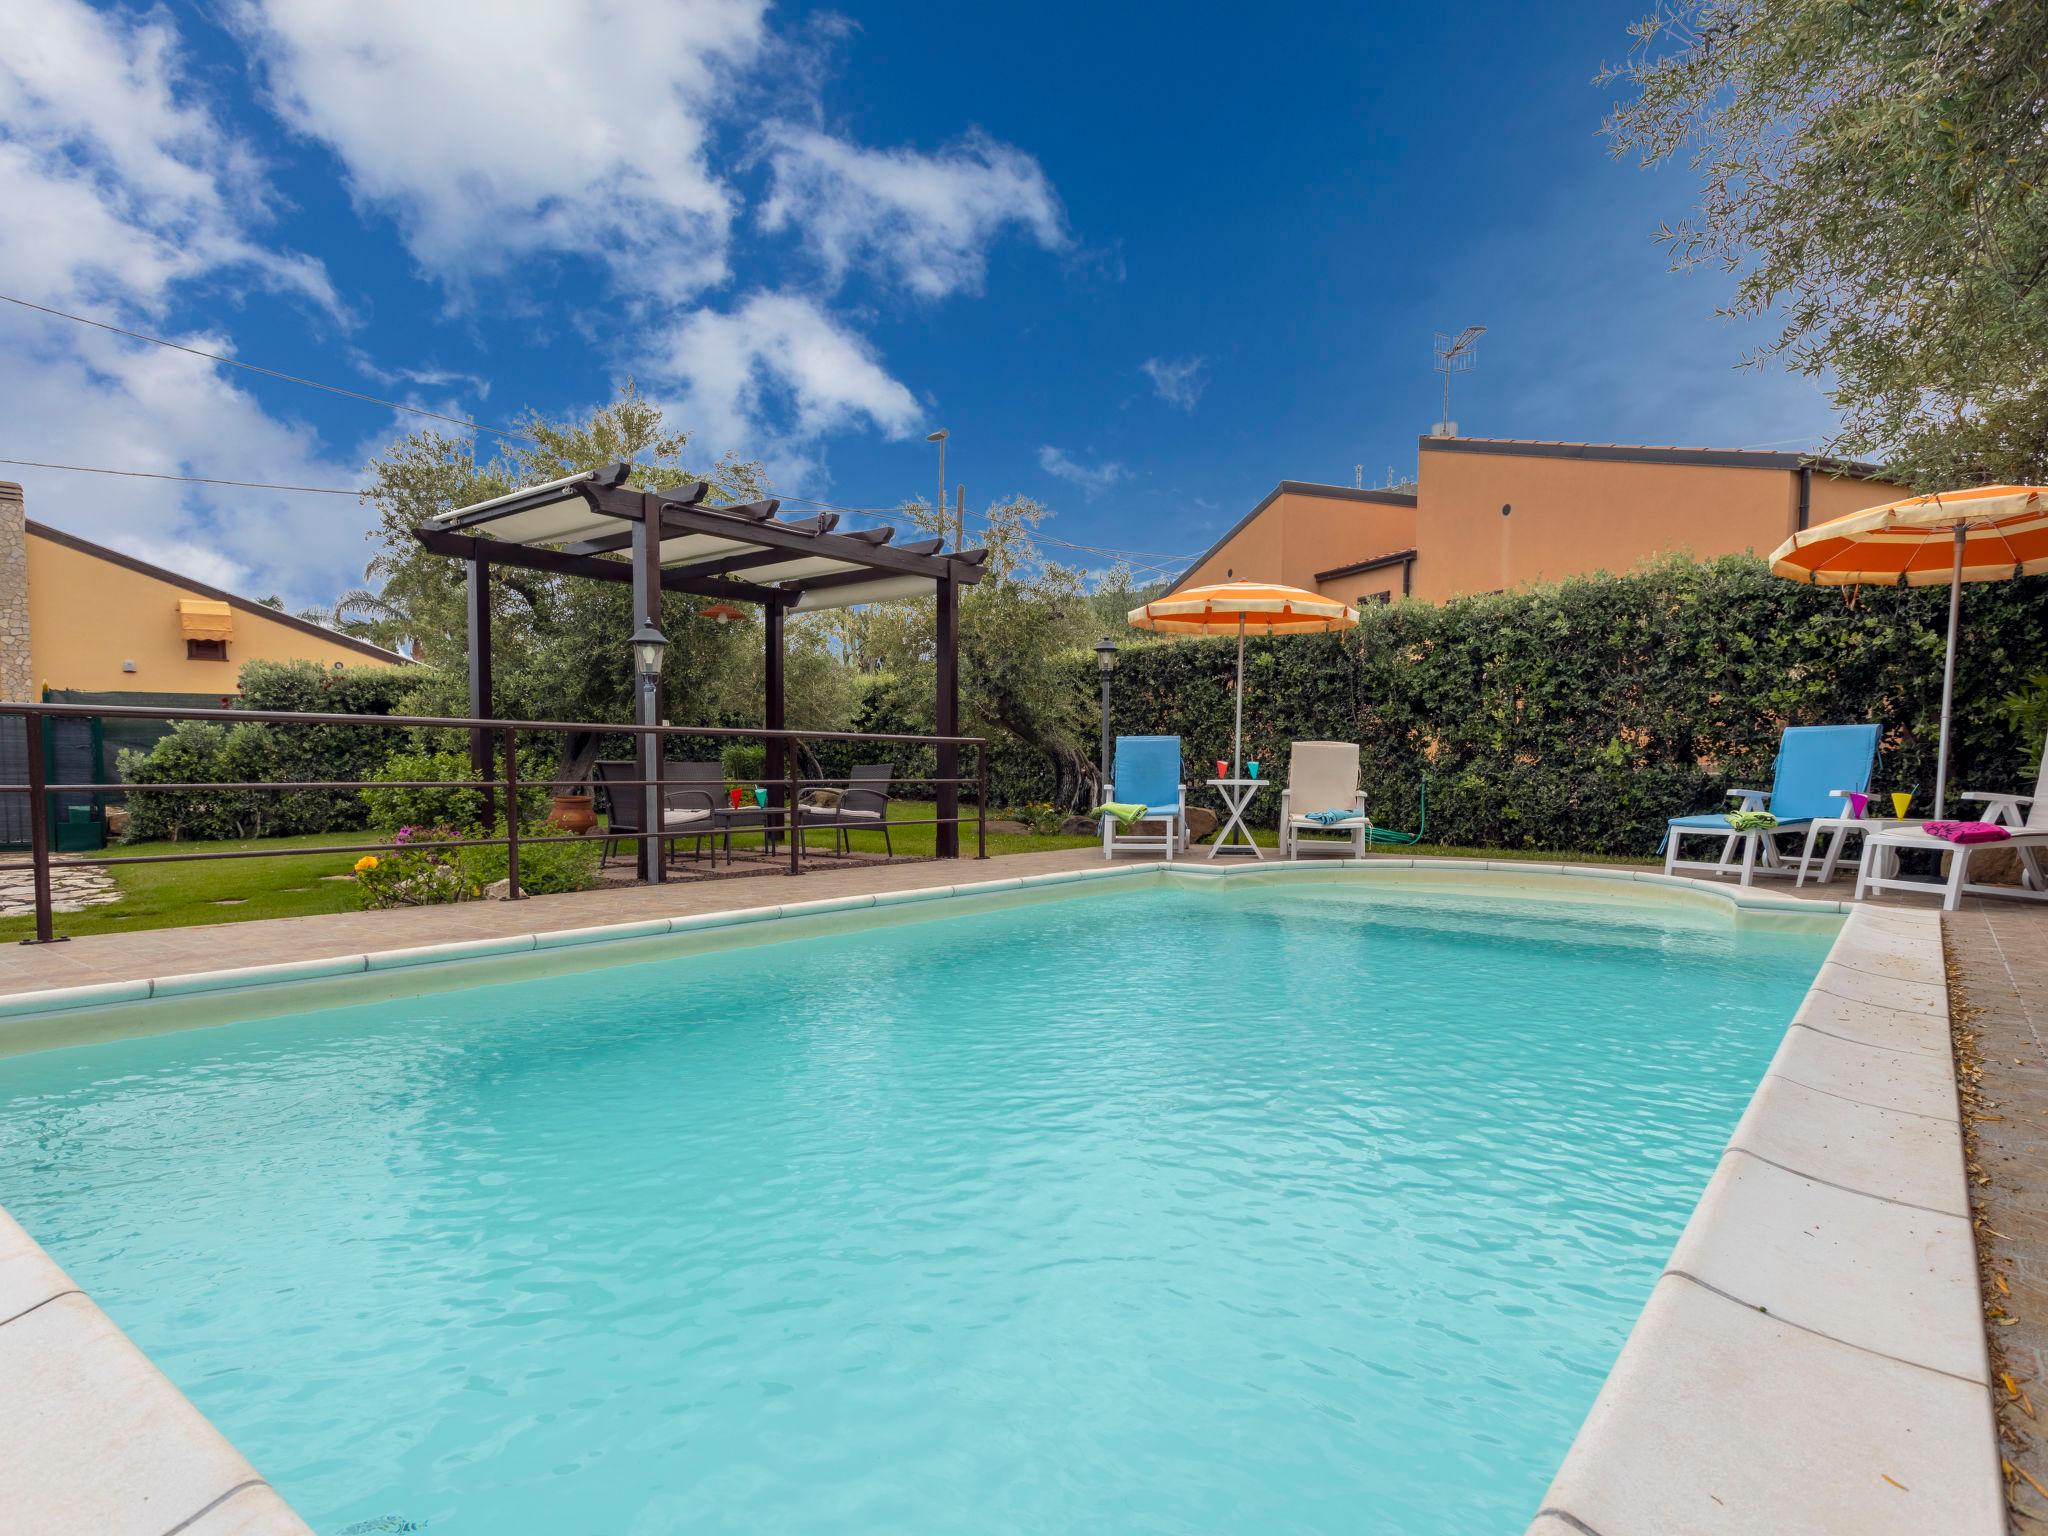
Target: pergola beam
x=757 y=511
x=722 y=565
x=467 y=546
x=677 y=521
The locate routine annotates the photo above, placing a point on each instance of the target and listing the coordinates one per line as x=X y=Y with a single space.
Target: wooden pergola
x=594 y=525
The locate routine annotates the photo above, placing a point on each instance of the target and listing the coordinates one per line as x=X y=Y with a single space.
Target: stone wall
x=17 y=673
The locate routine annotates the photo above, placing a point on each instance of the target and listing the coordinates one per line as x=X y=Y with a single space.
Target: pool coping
x=1819 y=1315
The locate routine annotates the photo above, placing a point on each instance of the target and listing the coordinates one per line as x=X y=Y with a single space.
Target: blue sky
x=1142 y=262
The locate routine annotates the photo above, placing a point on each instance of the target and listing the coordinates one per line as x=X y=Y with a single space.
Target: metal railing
x=790 y=784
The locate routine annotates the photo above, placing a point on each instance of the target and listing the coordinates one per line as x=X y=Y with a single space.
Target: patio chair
x=688 y=792
x=1817 y=765
x=2029 y=840
x=1323 y=776
x=863 y=806
x=623 y=799
x=1146 y=772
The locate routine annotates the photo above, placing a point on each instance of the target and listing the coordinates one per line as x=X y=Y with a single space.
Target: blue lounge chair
x=1817 y=766
x=1147 y=773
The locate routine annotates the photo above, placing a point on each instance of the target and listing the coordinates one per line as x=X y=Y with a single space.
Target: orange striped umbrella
x=1243 y=608
x=1989 y=533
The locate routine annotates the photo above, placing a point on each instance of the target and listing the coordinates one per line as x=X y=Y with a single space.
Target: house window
x=1377 y=597
x=206 y=650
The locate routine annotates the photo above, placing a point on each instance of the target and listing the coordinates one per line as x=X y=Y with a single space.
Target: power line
x=270 y=373
x=147 y=474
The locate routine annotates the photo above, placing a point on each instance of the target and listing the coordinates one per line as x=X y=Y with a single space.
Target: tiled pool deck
x=1812 y=1360
x=1998 y=974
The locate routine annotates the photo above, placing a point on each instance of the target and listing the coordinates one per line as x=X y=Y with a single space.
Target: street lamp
x=1105 y=663
x=940 y=437
x=648 y=644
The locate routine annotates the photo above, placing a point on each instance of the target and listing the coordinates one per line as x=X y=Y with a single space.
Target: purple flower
x=403 y=836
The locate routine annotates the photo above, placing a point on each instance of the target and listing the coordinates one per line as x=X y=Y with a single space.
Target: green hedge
x=1581 y=716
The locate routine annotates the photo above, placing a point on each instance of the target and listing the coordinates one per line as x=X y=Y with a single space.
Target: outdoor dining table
x=1236 y=795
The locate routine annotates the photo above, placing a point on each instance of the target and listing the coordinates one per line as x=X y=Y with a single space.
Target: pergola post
x=646 y=591
x=774 y=765
x=946 y=716
x=478 y=597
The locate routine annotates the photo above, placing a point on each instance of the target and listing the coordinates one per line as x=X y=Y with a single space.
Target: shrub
x=744 y=762
x=202 y=752
x=544 y=868
x=423 y=877
x=387 y=809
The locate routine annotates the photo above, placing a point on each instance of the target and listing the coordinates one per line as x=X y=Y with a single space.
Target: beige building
x=1493 y=514
x=78 y=617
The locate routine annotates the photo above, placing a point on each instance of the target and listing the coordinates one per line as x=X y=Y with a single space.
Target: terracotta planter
x=572 y=813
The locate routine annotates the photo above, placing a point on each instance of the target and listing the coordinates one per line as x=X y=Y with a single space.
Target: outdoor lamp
x=648 y=645
x=1105 y=655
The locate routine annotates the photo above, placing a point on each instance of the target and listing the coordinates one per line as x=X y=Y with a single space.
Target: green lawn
x=232 y=891
x=240 y=890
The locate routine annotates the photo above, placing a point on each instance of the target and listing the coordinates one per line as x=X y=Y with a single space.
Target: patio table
x=1236 y=795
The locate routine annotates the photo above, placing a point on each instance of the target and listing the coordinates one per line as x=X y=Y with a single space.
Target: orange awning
x=1263 y=608
x=1912 y=543
x=205 y=618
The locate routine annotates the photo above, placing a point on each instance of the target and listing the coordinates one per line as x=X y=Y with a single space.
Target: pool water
x=1308 y=1208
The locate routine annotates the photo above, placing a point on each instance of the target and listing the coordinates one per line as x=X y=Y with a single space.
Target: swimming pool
x=1319 y=1206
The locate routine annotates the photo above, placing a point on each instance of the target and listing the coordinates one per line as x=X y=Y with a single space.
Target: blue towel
x=1331 y=818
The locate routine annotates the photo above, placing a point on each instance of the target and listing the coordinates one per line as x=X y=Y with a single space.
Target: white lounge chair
x=2025 y=815
x=1323 y=776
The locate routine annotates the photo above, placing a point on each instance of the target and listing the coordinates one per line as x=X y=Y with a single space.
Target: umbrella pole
x=1948 y=674
x=1237 y=746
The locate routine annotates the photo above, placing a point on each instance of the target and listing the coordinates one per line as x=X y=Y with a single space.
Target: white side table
x=1236 y=795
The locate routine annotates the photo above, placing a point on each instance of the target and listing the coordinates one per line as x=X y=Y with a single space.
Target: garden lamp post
x=649 y=643
x=1105 y=663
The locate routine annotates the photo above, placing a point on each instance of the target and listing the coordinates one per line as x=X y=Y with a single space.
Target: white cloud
x=100 y=401
x=491 y=136
x=1092 y=480
x=1179 y=383
x=120 y=184
x=925 y=220
x=777 y=370
x=117 y=181
x=492 y=132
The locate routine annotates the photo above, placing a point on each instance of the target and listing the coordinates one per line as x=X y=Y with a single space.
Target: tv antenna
x=1454 y=354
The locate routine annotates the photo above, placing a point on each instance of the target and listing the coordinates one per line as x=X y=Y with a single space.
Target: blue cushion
x=1813 y=759
x=1717 y=821
x=1147 y=769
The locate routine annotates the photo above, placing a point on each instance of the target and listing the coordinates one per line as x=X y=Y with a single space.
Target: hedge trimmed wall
x=1581 y=716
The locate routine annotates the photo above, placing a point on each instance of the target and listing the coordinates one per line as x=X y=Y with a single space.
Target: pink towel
x=1966 y=831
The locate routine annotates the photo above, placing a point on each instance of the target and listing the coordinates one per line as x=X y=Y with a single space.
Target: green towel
x=1751 y=821
x=1126 y=814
